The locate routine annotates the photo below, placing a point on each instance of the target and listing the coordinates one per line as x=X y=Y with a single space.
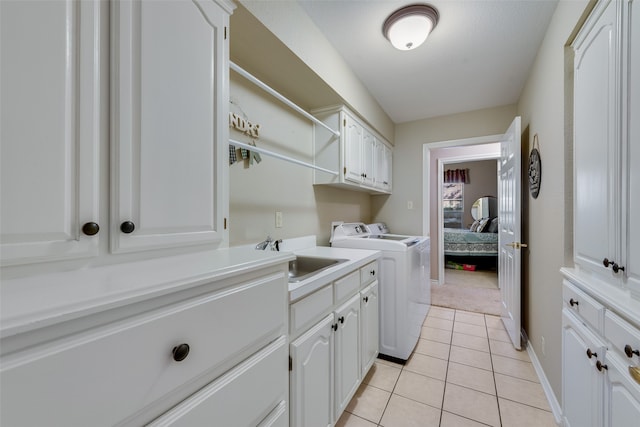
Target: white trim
x=426 y=177
x=556 y=408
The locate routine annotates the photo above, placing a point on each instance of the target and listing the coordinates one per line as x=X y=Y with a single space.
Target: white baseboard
x=556 y=409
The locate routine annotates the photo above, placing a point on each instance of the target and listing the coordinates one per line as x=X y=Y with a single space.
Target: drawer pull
x=341 y=319
x=617 y=268
x=365 y=299
x=606 y=262
x=629 y=351
x=372 y=272
x=573 y=302
x=600 y=366
x=334 y=326
x=591 y=354
x=180 y=352
x=635 y=373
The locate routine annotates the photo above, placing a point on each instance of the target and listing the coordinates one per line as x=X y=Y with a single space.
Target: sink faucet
x=269 y=243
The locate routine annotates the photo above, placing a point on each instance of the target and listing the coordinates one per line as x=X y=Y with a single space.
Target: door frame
x=428 y=175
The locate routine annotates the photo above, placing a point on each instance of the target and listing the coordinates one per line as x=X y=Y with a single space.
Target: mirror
x=484 y=207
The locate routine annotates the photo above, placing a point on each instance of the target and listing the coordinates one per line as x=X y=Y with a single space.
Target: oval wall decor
x=535 y=172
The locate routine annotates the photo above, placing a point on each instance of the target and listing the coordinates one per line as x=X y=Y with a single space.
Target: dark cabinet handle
x=591 y=354
x=600 y=366
x=372 y=272
x=616 y=268
x=573 y=302
x=334 y=326
x=127 y=227
x=606 y=262
x=180 y=352
x=629 y=351
x=341 y=319
x=366 y=299
x=90 y=228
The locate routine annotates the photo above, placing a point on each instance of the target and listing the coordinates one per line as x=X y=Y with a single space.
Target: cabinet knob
x=372 y=272
x=573 y=302
x=334 y=326
x=591 y=354
x=600 y=366
x=616 y=268
x=180 y=352
x=365 y=299
x=629 y=351
x=127 y=227
x=90 y=228
x=606 y=262
x=341 y=319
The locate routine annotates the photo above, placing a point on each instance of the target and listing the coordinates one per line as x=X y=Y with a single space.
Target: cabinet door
x=630 y=165
x=49 y=129
x=596 y=148
x=622 y=394
x=347 y=355
x=369 y=326
x=169 y=101
x=582 y=383
x=311 y=378
x=353 y=140
x=368 y=149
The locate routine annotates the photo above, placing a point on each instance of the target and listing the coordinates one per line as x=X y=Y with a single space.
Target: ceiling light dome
x=408 y=27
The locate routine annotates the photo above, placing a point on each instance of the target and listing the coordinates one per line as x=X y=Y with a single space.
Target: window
x=453 y=204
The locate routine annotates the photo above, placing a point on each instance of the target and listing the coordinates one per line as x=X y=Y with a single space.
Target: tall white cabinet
x=601 y=328
x=129 y=92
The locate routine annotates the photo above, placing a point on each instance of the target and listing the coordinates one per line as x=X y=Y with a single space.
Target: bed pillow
x=493 y=226
x=483 y=224
x=475 y=225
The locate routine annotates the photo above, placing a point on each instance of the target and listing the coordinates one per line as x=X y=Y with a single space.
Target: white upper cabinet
x=606 y=180
x=169 y=74
x=361 y=157
x=49 y=141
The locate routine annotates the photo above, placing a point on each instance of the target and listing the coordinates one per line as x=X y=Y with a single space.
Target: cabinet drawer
x=621 y=334
x=130 y=363
x=368 y=273
x=242 y=397
x=310 y=309
x=346 y=286
x=583 y=305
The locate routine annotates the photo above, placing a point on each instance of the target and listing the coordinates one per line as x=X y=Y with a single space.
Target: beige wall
x=542 y=107
x=408 y=162
x=257 y=191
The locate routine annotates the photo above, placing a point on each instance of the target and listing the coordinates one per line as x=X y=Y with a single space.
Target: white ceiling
x=478 y=56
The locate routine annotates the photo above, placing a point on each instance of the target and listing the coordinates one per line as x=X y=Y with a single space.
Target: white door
x=347 y=356
x=352 y=149
x=369 y=326
x=509 y=205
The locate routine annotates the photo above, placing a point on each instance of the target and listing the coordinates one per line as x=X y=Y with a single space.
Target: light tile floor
x=464 y=372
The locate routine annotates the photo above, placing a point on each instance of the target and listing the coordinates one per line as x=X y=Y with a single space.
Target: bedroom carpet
x=468 y=290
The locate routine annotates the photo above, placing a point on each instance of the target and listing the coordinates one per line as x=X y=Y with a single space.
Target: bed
x=463 y=242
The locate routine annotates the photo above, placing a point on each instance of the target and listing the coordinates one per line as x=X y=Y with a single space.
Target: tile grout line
x=446 y=375
x=493 y=371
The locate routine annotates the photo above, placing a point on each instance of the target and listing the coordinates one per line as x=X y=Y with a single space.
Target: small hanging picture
x=535 y=172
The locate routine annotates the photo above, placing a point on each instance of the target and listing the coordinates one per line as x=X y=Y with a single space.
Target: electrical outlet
x=543 y=348
x=278 y=219
x=410 y=204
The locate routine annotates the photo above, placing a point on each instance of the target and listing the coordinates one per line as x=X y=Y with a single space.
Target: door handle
x=517 y=245
x=635 y=373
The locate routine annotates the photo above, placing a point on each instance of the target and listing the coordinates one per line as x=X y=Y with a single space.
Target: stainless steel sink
x=303 y=267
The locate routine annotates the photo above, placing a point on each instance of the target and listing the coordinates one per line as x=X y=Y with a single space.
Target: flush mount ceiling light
x=408 y=28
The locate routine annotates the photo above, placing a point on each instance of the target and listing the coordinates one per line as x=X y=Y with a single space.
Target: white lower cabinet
x=600 y=362
x=217 y=355
x=329 y=359
x=582 y=382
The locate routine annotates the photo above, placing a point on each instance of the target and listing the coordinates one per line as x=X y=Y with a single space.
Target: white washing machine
x=405 y=288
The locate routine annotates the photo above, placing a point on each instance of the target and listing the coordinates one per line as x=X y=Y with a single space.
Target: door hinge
x=225 y=223
x=290 y=364
x=225 y=33
x=344 y=122
x=345 y=170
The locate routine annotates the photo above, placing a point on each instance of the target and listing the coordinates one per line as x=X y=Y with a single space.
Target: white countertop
x=37 y=301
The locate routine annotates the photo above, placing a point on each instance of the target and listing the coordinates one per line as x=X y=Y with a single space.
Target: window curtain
x=456 y=175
